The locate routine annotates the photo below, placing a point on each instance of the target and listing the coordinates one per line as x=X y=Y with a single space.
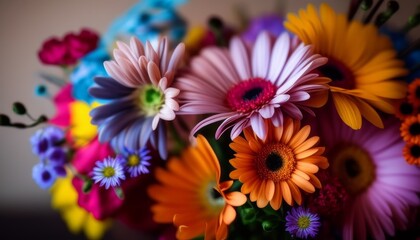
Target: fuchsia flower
x=68 y=50
x=242 y=86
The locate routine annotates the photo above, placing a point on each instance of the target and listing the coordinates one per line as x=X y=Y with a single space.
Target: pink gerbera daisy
x=244 y=86
x=369 y=163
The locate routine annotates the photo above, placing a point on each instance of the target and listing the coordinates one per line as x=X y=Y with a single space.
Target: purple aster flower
x=43 y=175
x=136 y=162
x=45 y=138
x=302 y=223
x=108 y=172
x=140 y=95
x=271 y=23
x=56 y=156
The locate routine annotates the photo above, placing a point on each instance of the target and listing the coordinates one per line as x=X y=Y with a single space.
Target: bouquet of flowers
x=305 y=125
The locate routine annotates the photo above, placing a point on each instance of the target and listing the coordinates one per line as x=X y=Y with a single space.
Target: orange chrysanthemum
x=361 y=62
x=191 y=195
x=411 y=153
x=274 y=169
x=414 y=92
x=410 y=129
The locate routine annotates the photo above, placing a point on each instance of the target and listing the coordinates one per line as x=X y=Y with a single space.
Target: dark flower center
x=414 y=129
x=339 y=73
x=273 y=162
x=45 y=176
x=144 y=17
x=406 y=108
x=352 y=167
x=43 y=145
x=250 y=95
x=415 y=151
x=418 y=92
x=215 y=194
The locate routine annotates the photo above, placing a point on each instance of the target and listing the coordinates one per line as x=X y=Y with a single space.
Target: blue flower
x=146 y=20
x=90 y=66
x=108 y=172
x=56 y=156
x=136 y=161
x=45 y=138
x=43 y=175
x=302 y=223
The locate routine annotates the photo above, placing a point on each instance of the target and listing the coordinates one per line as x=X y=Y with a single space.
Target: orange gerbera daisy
x=191 y=195
x=411 y=153
x=361 y=63
x=414 y=92
x=410 y=129
x=277 y=167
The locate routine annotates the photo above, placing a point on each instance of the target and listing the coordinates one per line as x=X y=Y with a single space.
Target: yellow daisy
x=361 y=63
x=276 y=168
x=64 y=199
x=191 y=195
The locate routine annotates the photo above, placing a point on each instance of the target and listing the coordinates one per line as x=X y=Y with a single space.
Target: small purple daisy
x=137 y=162
x=302 y=223
x=44 y=139
x=108 y=172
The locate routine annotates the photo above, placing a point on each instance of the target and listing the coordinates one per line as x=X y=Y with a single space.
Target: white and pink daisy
x=139 y=93
x=242 y=87
x=382 y=188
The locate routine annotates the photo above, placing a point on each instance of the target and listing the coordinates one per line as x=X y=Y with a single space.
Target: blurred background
x=24 y=25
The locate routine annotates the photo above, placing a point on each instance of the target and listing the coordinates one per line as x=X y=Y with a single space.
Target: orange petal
x=269 y=190
x=277 y=198
x=303 y=184
x=235 y=199
x=287 y=195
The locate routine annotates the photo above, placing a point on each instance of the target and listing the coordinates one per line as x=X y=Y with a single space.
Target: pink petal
x=267 y=111
x=279 y=56
x=259 y=126
x=240 y=58
x=261 y=55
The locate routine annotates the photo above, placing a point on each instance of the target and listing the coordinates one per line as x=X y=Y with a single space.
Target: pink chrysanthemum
x=244 y=86
x=369 y=163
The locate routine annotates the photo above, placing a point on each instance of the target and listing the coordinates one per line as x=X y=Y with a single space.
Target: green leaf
x=19 y=108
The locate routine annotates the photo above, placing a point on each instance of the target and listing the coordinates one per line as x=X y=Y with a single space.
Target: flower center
x=406 y=108
x=339 y=73
x=133 y=160
x=150 y=100
x=46 y=176
x=275 y=162
x=304 y=222
x=109 y=172
x=250 y=95
x=213 y=198
x=415 y=151
x=353 y=166
x=414 y=129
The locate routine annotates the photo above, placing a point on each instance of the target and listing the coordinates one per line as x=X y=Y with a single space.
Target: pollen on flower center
x=250 y=95
x=275 y=162
x=151 y=99
x=339 y=73
x=133 y=160
x=304 y=222
x=109 y=172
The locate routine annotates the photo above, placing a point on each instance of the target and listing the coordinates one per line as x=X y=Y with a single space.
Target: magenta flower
x=243 y=87
x=369 y=163
x=140 y=95
x=70 y=49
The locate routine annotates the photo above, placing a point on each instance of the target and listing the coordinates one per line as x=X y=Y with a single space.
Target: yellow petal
x=347 y=110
